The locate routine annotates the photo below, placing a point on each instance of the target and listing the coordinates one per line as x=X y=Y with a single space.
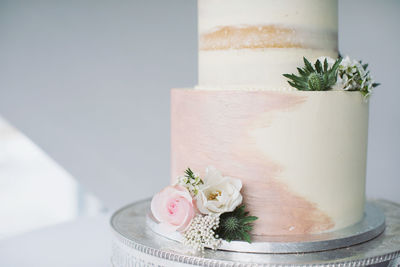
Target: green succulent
x=235 y=225
x=317 y=78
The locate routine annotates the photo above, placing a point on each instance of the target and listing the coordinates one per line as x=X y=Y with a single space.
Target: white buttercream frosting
x=315 y=14
x=251 y=43
x=327 y=131
x=253 y=68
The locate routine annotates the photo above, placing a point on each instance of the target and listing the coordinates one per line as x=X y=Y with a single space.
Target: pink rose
x=173 y=208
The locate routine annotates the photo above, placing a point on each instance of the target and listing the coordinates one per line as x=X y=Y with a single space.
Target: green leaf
x=189 y=173
x=301 y=72
x=293 y=84
x=246 y=237
x=247 y=228
x=308 y=65
x=318 y=66
x=336 y=65
x=375 y=84
x=248 y=219
x=325 y=65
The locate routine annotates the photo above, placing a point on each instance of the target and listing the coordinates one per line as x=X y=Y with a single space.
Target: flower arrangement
x=204 y=210
x=337 y=74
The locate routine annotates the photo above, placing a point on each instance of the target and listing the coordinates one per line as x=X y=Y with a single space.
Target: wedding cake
x=273 y=139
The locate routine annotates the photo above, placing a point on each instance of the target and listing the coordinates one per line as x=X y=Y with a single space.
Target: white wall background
x=88 y=81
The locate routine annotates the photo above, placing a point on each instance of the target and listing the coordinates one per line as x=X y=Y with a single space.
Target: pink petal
x=159 y=203
x=173 y=208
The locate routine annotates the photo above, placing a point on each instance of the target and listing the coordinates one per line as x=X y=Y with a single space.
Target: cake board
x=136 y=244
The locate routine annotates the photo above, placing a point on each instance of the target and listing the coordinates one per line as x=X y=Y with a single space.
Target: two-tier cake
x=256 y=153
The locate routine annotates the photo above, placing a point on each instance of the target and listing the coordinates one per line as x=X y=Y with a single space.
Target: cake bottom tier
x=134 y=244
x=301 y=156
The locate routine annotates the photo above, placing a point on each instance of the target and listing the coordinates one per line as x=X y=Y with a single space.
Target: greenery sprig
x=235 y=225
x=191 y=181
x=356 y=77
x=190 y=174
x=317 y=78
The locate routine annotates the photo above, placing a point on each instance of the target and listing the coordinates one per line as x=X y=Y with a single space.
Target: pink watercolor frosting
x=173 y=208
x=220 y=123
x=253 y=135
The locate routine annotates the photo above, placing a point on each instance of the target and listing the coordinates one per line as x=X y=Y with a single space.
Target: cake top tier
x=251 y=43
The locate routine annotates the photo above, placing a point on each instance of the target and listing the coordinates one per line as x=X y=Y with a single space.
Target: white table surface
x=85 y=242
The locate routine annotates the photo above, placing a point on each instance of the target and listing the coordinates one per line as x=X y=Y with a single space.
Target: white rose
x=218 y=194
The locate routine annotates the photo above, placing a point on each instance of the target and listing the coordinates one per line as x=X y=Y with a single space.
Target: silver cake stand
x=135 y=243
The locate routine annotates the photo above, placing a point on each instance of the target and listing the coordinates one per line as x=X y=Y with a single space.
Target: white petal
x=201 y=202
x=237 y=183
x=236 y=203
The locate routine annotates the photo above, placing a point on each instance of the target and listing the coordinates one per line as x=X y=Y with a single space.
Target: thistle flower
x=236 y=225
x=320 y=78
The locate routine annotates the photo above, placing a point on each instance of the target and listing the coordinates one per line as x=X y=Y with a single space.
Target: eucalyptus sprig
x=317 y=78
x=235 y=225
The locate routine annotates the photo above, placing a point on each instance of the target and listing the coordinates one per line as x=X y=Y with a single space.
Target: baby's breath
x=201 y=233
